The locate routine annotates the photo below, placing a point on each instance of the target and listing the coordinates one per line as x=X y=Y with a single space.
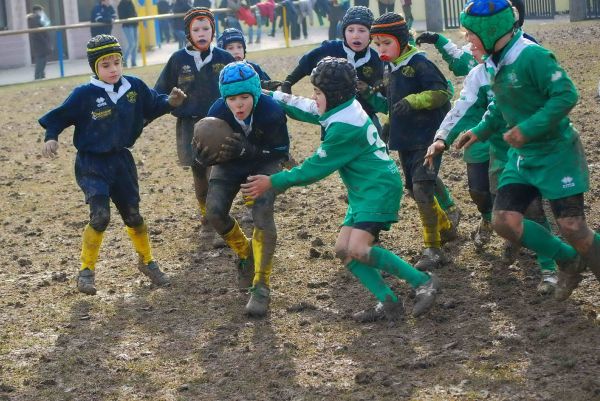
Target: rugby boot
x=432 y=258
x=86 y=281
x=426 y=295
x=569 y=277
x=386 y=310
x=153 y=272
x=547 y=283
x=258 y=304
x=510 y=251
x=482 y=234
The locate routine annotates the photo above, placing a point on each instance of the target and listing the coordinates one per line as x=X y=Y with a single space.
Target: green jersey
x=532 y=92
x=353 y=148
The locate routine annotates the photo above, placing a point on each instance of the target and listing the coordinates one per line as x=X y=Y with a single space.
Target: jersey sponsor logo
x=367 y=71
x=186 y=69
x=408 y=71
x=101 y=114
x=556 y=76
x=100 y=102
x=567 y=182
x=321 y=152
x=132 y=96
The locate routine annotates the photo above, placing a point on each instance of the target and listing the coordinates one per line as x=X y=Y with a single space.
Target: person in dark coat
x=126 y=10
x=41 y=46
x=103 y=12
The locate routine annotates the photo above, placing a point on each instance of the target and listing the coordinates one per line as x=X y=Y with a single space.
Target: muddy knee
x=99 y=213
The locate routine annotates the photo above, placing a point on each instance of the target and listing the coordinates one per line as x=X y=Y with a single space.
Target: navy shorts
x=108 y=174
x=413 y=168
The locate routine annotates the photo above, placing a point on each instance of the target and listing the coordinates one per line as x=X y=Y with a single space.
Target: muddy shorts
x=557 y=175
x=184 y=132
x=108 y=174
x=413 y=168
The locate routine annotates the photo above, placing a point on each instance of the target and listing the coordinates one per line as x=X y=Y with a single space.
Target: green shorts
x=384 y=221
x=556 y=175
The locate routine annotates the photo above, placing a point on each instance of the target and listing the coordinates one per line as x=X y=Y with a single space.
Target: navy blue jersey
x=417 y=129
x=106 y=121
x=369 y=68
x=261 y=74
x=268 y=130
x=197 y=77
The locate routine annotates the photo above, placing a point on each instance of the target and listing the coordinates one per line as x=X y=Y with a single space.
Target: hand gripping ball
x=210 y=133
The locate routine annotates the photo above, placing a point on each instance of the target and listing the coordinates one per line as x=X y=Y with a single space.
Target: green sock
x=443 y=195
x=544 y=262
x=371 y=279
x=544 y=243
x=388 y=262
x=487 y=216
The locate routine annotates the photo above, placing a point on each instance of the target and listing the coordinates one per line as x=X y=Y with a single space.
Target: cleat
x=86 y=281
x=432 y=258
x=482 y=234
x=153 y=272
x=426 y=295
x=548 y=282
x=386 y=310
x=569 y=277
x=258 y=304
x=510 y=252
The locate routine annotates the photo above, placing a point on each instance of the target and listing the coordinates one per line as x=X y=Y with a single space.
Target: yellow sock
x=429 y=221
x=248 y=201
x=237 y=241
x=443 y=221
x=90 y=247
x=141 y=241
x=262 y=269
x=202 y=209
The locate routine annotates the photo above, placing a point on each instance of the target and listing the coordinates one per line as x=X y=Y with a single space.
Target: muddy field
x=490 y=337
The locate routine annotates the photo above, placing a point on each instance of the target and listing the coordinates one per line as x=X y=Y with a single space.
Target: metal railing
x=218 y=12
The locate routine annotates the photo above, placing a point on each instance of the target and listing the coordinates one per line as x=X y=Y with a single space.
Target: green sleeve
x=459 y=61
x=555 y=85
x=491 y=122
x=297 y=107
x=428 y=100
x=339 y=147
x=379 y=103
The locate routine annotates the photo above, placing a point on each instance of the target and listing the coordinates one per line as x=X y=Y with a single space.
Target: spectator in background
x=386 y=6
x=164 y=7
x=105 y=13
x=337 y=9
x=180 y=7
x=364 y=3
x=407 y=11
x=41 y=47
x=256 y=13
x=202 y=3
x=305 y=10
x=126 y=10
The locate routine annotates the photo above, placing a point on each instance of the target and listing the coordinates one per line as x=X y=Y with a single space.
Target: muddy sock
x=544 y=262
x=429 y=222
x=443 y=195
x=237 y=241
x=443 y=223
x=141 y=242
x=592 y=256
x=542 y=242
x=387 y=261
x=487 y=216
x=371 y=279
x=263 y=247
x=90 y=247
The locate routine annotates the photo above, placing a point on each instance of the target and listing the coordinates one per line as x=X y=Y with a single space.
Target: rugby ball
x=210 y=132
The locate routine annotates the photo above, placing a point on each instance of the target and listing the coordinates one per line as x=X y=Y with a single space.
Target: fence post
x=59 y=50
x=143 y=42
x=434 y=20
x=577 y=10
x=286 y=34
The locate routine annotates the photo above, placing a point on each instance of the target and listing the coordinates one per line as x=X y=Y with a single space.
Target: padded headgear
x=336 y=78
x=489 y=20
x=357 y=15
x=231 y=35
x=100 y=46
x=394 y=25
x=194 y=14
x=237 y=78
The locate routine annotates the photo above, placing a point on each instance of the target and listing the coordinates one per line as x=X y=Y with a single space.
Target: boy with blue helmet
x=109 y=114
x=546 y=155
x=259 y=145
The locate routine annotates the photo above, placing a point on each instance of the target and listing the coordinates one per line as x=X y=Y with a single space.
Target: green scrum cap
x=489 y=20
